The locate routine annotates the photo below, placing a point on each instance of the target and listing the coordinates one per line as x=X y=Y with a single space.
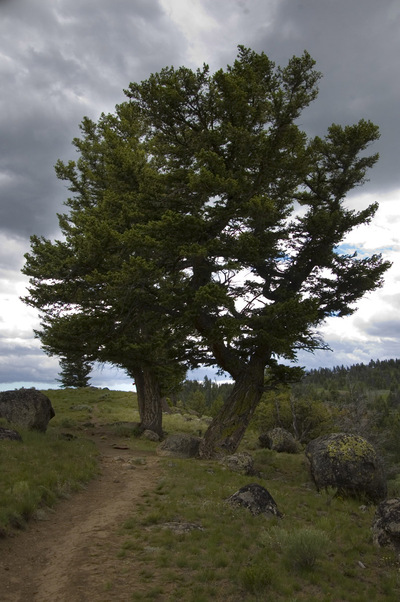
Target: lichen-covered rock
x=386 y=525
x=180 y=446
x=348 y=463
x=279 y=440
x=255 y=498
x=9 y=434
x=241 y=462
x=27 y=408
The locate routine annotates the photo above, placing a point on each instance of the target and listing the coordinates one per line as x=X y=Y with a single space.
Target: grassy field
x=320 y=550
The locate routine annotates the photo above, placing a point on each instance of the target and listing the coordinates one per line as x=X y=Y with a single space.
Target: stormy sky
x=63 y=59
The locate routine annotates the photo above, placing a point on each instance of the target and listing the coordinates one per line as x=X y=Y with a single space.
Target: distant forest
x=378 y=375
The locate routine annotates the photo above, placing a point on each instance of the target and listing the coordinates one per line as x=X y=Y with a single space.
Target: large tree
x=228 y=219
x=74 y=371
x=102 y=289
x=256 y=217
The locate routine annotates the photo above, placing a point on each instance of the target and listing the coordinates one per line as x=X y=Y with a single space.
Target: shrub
x=304 y=547
x=256 y=578
x=305 y=419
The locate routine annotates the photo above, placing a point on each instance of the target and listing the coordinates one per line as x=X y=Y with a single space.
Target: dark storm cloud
x=356 y=46
x=59 y=62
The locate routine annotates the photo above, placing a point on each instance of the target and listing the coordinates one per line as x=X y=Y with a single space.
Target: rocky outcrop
x=348 y=463
x=180 y=446
x=27 y=408
x=386 y=525
x=279 y=440
x=9 y=434
x=255 y=498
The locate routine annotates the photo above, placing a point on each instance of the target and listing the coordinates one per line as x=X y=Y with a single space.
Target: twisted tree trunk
x=228 y=427
x=149 y=400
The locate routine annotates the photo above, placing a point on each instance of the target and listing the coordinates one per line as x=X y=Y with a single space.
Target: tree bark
x=226 y=431
x=149 y=401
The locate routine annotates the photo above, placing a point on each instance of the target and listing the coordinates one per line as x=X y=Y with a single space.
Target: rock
x=349 y=463
x=180 y=446
x=242 y=462
x=150 y=435
x=386 y=525
x=27 y=408
x=255 y=498
x=9 y=434
x=279 y=440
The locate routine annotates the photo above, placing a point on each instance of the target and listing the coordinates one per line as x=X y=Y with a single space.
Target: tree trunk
x=149 y=401
x=228 y=427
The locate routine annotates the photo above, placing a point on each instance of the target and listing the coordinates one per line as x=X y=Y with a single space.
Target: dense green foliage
x=74 y=371
x=205 y=397
x=205 y=227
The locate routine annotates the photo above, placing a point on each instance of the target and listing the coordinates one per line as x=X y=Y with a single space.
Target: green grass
x=82 y=405
x=320 y=550
x=316 y=552
x=39 y=471
x=47 y=466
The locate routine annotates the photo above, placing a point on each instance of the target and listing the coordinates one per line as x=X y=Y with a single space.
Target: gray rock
x=279 y=440
x=348 y=463
x=255 y=498
x=9 y=434
x=386 y=525
x=241 y=462
x=150 y=435
x=27 y=408
x=180 y=446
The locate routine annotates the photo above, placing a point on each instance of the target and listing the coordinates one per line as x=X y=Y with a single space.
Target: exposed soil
x=72 y=555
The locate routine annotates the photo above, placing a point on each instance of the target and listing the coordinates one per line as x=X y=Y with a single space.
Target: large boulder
x=241 y=462
x=348 y=463
x=386 y=525
x=279 y=440
x=255 y=498
x=26 y=408
x=9 y=434
x=180 y=446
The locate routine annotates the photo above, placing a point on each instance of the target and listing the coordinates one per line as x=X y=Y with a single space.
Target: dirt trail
x=72 y=555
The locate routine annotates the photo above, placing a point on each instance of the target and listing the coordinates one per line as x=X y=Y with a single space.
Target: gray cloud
x=62 y=60
x=59 y=63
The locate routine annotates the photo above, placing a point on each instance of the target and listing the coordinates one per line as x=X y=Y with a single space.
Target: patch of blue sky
x=362 y=251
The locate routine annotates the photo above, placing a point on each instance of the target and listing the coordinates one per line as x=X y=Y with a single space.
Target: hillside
x=177 y=538
x=377 y=374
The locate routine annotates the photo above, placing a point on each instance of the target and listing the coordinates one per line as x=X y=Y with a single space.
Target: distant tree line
x=378 y=375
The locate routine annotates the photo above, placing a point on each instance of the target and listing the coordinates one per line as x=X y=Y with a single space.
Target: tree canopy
x=206 y=227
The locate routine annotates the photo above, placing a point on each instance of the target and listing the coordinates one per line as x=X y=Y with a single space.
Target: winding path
x=72 y=555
